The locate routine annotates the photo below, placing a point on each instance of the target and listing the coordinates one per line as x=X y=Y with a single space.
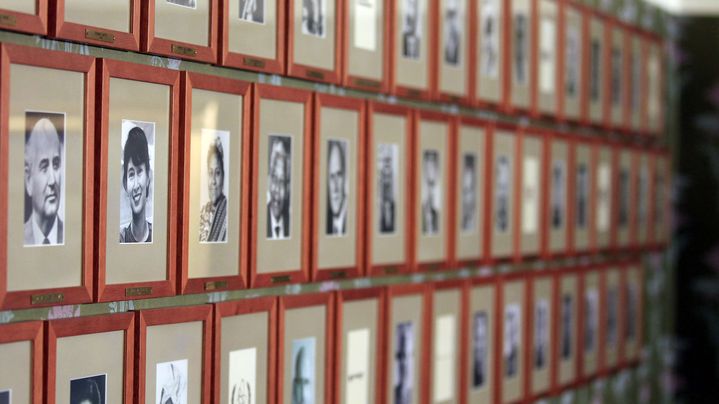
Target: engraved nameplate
x=338 y=274
x=183 y=50
x=281 y=279
x=99 y=36
x=47 y=298
x=8 y=20
x=141 y=291
x=253 y=62
x=414 y=93
x=367 y=83
x=215 y=285
x=314 y=74
x=391 y=270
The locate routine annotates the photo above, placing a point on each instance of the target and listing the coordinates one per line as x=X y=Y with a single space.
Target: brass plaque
x=215 y=285
x=8 y=20
x=368 y=83
x=47 y=298
x=433 y=267
x=314 y=74
x=391 y=270
x=414 y=93
x=281 y=279
x=183 y=50
x=253 y=62
x=141 y=291
x=99 y=36
x=338 y=274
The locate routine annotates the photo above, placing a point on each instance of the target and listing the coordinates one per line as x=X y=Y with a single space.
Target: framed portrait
x=572 y=61
x=633 y=298
x=165 y=32
x=481 y=344
x=618 y=77
x=305 y=349
x=604 y=191
x=453 y=19
x=582 y=196
x=596 y=45
x=540 y=355
x=174 y=355
x=433 y=200
x=21 y=370
x=661 y=187
x=489 y=44
x=446 y=341
x=339 y=170
x=558 y=206
x=407 y=348
x=546 y=44
x=611 y=318
x=636 y=84
x=313 y=39
x=522 y=56
x=252 y=35
x=360 y=331
x=365 y=48
x=470 y=156
x=108 y=344
x=138 y=169
x=412 y=38
x=280 y=185
x=24 y=16
x=46 y=177
x=654 y=96
x=216 y=132
x=114 y=26
x=389 y=185
x=625 y=184
x=532 y=179
x=509 y=330
x=568 y=320
x=590 y=324
x=245 y=362
x=502 y=212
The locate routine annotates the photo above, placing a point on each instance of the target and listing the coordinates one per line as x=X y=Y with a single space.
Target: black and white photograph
x=44 y=196
x=314 y=17
x=431 y=192
x=547 y=52
x=403 y=363
x=558 y=194
x=479 y=349
x=594 y=62
x=616 y=84
x=88 y=390
x=541 y=334
x=566 y=318
x=242 y=377
x=502 y=178
x=5 y=396
x=489 y=38
x=623 y=197
x=279 y=183
x=512 y=333
x=215 y=178
x=137 y=196
x=636 y=81
x=630 y=319
x=387 y=168
x=337 y=188
x=171 y=382
x=411 y=29
x=469 y=193
x=642 y=195
x=252 y=11
x=184 y=3
x=591 y=319
x=612 y=316
x=582 y=195
x=303 y=370
x=453 y=32
x=572 y=62
x=521 y=48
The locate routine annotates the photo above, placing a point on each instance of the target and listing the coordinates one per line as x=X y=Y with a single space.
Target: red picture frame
x=360 y=107
x=151 y=43
x=269 y=305
x=62 y=29
x=535 y=95
x=354 y=296
x=71 y=327
x=14 y=54
x=313 y=73
x=301 y=274
x=24 y=22
x=486 y=279
x=108 y=69
x=577 y=332
x=539 y=135
x=32 y=331
x=475 y=98
x=511 y=106
x=628 y=359
x=604 y=368
x=570 y=193
x=356 y=81
x=468 y=51
x=175 y=315
x=190 y=81
x=532 y=279
x=565 y=7
x=406 y=114
x=301 y=301
x=426 y=93
x=653 y=127
x=586 y=373
x=501 y=281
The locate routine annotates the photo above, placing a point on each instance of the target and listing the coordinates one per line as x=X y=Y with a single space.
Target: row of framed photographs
x=150 y=194
x=547 y=57
x=485 y=340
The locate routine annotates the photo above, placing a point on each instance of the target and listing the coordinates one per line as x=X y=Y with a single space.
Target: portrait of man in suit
x=489 y=48
x=453 y=33
x=387 y=165
x=431 y=191
x=479 y=350
x=469 y=193
x=44 y=173
x=252 y=11
x=336 y=219
x=511 y=340
x=591 y=318
x=278 y=187
x=541 y=333
x=557 y=194
x=303 y=371
x=582 y=195
x=566 y=326
x=411 y=30
x=502 y=179
x=313 y=18
x=403 y=368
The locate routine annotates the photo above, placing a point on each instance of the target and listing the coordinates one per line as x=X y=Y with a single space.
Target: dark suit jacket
x=386 y=228
x=30 y=240
x=285 y=220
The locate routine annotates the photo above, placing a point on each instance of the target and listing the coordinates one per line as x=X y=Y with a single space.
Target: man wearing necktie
x=278 y=207
x=336 y=191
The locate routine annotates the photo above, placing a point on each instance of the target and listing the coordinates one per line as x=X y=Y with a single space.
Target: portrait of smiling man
x=136 y=181
x=44 y=172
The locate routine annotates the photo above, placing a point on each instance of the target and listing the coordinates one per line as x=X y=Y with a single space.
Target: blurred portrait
x=411 y=29
x=521 y=48
x=557 y=195
x=453 y=29
x=404 y=363
x=489 y=38
x=469 y=193
x=88 y=390
x=314 y=18
x=431 y=192
x=387 y=172
x=566 y=317
x=171 y=382
x=541 y=333
x=502 y=178
x=242 y=377
x=582 y=195
x=591 y=319
x=303 y=370
x=480 y=330
x=252 y=11
x=511 y=340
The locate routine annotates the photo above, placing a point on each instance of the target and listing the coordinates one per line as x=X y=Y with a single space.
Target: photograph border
x=469 y=53
x=583 y=71
x=577 y=271
x=569 y=211
x=510 y=106
x=31 y=23
x=540 y=135
x=502 y=80
x=532 y=278
x=359 y=82
x=95 y=35
x=418 y=93
x=603 y=369
x=501 y=281
x=485 y=279
x=313 y=73
x=537 y=109
x=34 y=332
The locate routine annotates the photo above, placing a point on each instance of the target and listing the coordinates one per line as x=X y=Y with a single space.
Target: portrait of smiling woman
x=213 y=215
x=137 y=167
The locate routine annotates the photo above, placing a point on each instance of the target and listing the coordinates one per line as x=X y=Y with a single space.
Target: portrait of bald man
x=44 y=172
x=336 y=219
